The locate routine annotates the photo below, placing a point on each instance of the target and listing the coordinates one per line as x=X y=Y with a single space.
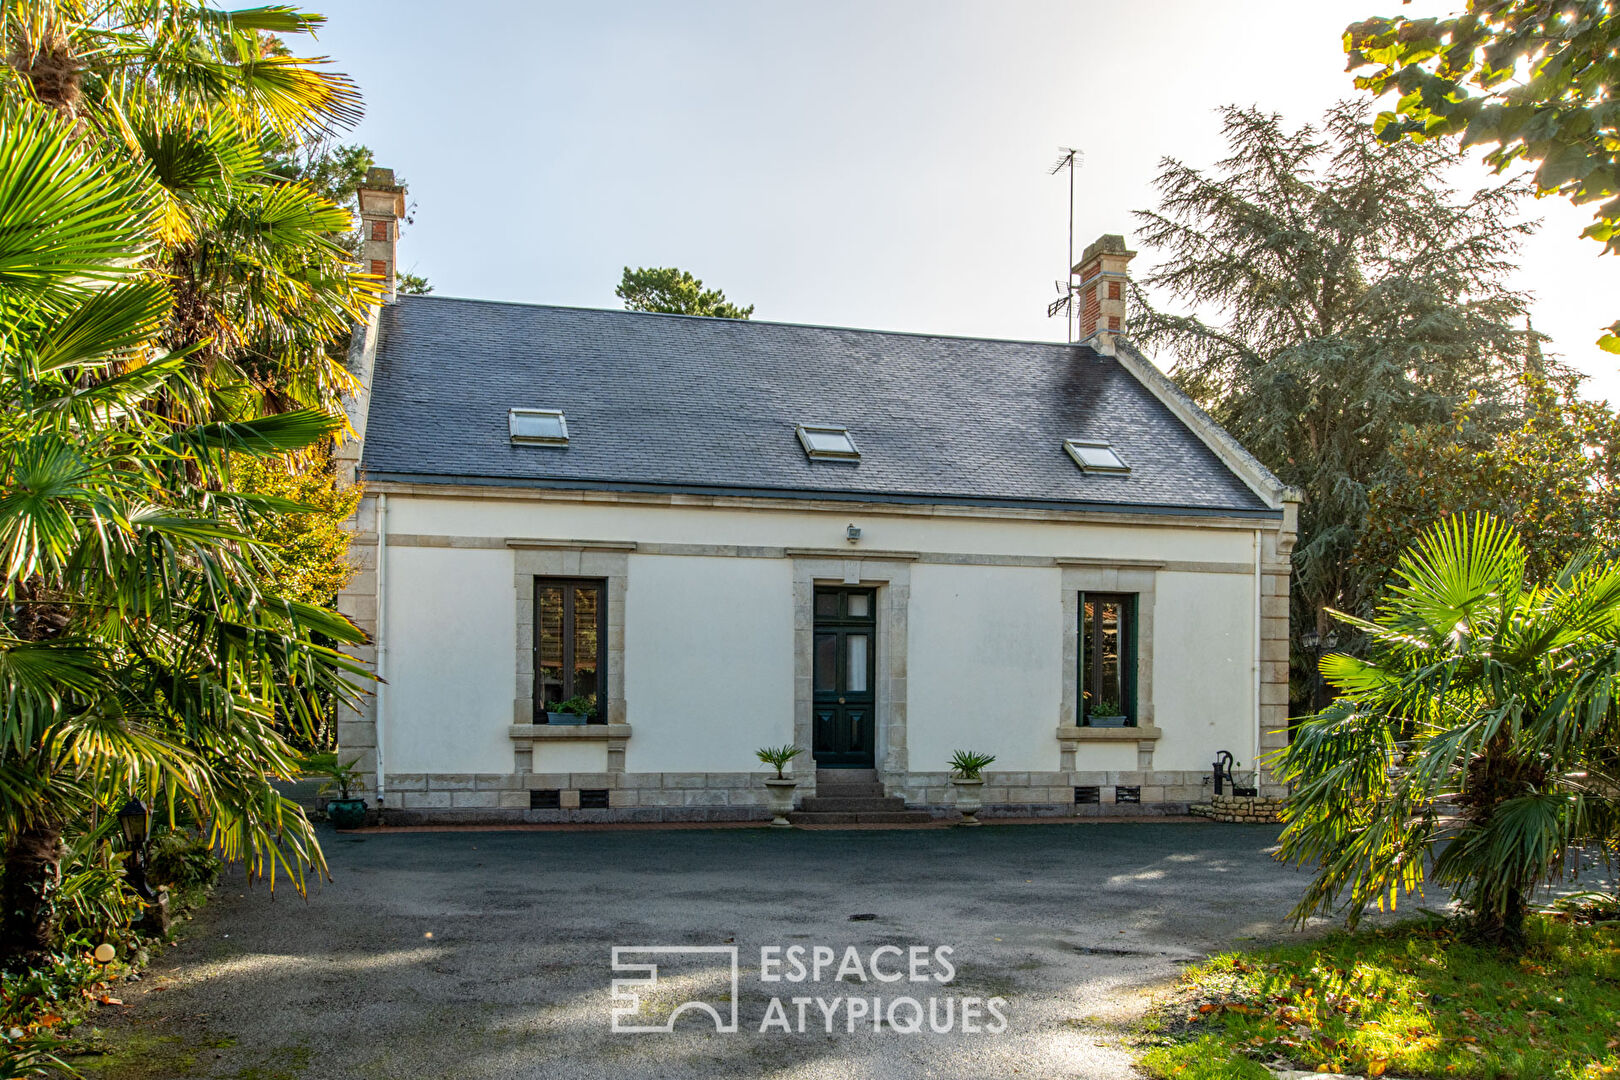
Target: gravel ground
x=489 y=954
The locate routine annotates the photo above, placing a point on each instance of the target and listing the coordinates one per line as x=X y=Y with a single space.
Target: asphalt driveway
x=489 y=954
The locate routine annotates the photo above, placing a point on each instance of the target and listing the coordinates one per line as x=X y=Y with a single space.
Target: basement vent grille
x=545 y=799
x=593 y=798
x=1087 y=796
x=1127 y=795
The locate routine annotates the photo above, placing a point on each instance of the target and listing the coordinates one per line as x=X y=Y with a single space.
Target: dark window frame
x=1090 y=656
x=569 y=624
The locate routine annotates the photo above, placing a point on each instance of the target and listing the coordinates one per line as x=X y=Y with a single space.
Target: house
x=604 y=556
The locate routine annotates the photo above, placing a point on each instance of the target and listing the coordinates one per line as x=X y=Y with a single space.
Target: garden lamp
x=135 y=822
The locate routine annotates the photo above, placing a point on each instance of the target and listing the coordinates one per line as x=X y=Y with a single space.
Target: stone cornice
x=1168 y=518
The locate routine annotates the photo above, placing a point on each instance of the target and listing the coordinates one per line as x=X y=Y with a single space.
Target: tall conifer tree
x=1332 y=293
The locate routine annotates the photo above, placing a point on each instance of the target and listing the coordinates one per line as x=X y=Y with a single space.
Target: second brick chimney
x=382 y=204
x=1101 y=290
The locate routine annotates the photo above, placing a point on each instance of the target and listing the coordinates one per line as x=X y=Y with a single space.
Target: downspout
x=1259 y=592
x=380 y=725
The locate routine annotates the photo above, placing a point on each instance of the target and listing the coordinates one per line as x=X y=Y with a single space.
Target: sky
x=877 y=164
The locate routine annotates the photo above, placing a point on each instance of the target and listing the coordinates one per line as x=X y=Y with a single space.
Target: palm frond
x=106 y=323
x=65 y=217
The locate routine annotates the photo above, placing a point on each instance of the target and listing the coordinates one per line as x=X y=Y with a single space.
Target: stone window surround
x=890 y=575
x=1122 y=576
x=576 y=559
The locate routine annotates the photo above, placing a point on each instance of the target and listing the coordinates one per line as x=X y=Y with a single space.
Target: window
x=828 y=441
x=570 y=651
x=593 y=798
x=545 y=799
x=1108 y=659
x=547 y=427
x=1096 y=457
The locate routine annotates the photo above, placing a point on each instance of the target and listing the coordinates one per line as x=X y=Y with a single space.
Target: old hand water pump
x=1223 y=775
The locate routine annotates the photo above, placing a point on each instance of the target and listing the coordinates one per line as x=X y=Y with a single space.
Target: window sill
x=569 y=732
x=1073 y=733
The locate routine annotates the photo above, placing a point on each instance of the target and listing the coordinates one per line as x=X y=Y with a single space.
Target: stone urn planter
x=779 y=796
x=967 y=776
x=779 y=788
x=968 y=798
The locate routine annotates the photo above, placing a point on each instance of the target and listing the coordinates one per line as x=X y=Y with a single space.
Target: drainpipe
x=381 y=637
x=1259 y=592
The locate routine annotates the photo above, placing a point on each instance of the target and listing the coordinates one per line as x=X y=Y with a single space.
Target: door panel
x=844 y=672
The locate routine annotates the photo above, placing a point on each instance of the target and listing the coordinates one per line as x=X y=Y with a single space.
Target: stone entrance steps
x=854 y=797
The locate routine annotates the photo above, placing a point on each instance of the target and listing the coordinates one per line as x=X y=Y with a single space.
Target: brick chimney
x=1101 y=290
x=382 y=204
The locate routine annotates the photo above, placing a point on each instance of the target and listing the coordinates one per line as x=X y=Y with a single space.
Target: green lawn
x=1410 y=1001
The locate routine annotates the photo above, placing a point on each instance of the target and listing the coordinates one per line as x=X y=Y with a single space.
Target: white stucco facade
x=709 y=662
x=710 y=613
x=985 y=664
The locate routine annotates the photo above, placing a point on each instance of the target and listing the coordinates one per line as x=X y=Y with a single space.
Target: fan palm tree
x=1478 y=742
x=139 y=650
x=264 y=292
x=90 y=60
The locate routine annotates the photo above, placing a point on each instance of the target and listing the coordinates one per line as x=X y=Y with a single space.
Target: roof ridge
x=413 y=298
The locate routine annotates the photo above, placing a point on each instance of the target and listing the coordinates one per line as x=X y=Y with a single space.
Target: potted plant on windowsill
x=579 y=709
x=779 y=788
x=967 y=768
x=1107 y=713
x=344 y=812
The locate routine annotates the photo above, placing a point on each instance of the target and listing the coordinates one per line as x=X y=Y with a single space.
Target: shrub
x=183 y=860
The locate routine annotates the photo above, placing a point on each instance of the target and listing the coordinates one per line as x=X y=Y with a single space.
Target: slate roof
x=674 y=403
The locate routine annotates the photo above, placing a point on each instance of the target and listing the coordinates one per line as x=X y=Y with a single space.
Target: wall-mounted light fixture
x=853 y=533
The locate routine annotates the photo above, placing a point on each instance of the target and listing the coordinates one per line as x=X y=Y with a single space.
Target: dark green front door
x=844 y=664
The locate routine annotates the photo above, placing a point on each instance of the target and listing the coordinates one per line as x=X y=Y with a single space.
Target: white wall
x=452 y=640
x=1203 y=673
x=709 y=640
x=984 y=667
x=708 y=671
x=567 y=757
x=1107 y=757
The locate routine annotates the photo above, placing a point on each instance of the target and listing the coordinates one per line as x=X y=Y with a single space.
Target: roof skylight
x=546 y=427
x=828 y=441
x=1095 y=456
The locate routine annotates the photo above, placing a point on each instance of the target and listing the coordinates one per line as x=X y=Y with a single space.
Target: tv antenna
x=1071 y=159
